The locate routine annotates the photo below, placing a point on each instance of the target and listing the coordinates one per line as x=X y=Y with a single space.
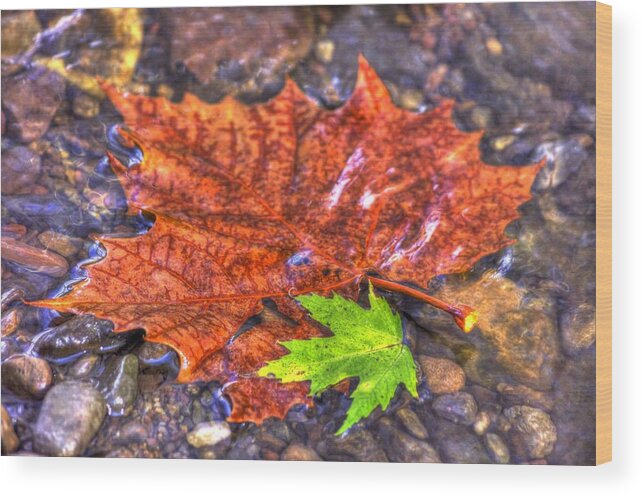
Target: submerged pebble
x=34 y=259
x=30 y=100
x=209 y=434
x=442 y=375
x=520 y=394
x=458 y=407
x=119 y=384
x=10 y=321
x=412 y=423
x=497 y=448
x=532 y=434
x=64 y=245
x=578 y=328
x=358 y=445
x=156 y=354
x=84 y=366
x=79 y=335
x=27 y=376
x=457 y=445
x=70 y=416
x=299 y=452
x=20 y=168
x=401 y=447
x=10 y=441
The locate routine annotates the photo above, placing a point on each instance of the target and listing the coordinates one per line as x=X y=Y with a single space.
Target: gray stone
x=497 y=448
x=27 y=376
x=273 y=435
x=511 y=395
x=357 y=445
x=458 y=407
x=401 y=447
x=119 y=384
x=131 y=433
x=457 y=445
x=245 y=448
x=30 y=100
x=84 y=366
x=412 y=423
x=20 y=169
x=574 y=413
x=532 y=434
x=70 y=416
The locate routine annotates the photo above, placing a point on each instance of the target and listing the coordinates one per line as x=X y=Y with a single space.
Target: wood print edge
x=603 y=233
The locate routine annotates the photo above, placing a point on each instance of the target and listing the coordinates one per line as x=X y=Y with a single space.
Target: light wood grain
x=603 y=233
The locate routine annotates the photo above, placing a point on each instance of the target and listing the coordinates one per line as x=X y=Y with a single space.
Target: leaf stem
x=465 y=317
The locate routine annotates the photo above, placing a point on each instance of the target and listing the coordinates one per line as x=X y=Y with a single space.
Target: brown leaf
x=279 y=199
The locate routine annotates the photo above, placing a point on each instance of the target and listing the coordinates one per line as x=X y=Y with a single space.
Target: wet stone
x=442 y=375
x=412 y=423
x=532 y=433
x=358 y=445
x=10 y=441
x=84 y=366
x=244 y=448
x=578 y=329
x=274 y=435
x=497 y=448
x=30 y=100
x=324 y=51
x=156 y=354
x=401 y=447
x=511 y=395
x=62 y=244
x=18 y=31
x=78 y=335
x=131 y=433
x=70 y=416
x=10 y=321
x=457 y=445
x=299 y=452
x=459 y=407
x=21 y=167
x=34 y=259
x=85 y=106
x=481 y=423
x=27 y=376
x=574 y=413
x=210 y=434
x=119 y=384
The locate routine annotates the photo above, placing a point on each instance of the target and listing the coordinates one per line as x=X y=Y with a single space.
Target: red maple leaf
x=260 y=203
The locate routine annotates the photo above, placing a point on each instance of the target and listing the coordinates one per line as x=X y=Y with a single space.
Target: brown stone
x=35 y=259
x=299 y=452
x=27 y=376
x=10 y=440
x=442 y=375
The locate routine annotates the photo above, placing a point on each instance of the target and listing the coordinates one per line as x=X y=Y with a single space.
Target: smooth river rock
x=70 y=416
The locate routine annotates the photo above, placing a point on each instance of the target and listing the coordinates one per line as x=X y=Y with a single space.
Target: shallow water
x=529 y=84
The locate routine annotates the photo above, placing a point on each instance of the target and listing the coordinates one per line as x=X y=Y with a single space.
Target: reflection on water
x=520 y=388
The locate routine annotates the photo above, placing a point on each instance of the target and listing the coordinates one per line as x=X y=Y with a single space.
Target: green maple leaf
x=366 y=343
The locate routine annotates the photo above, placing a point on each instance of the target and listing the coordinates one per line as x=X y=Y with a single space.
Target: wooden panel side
x=603 y=233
